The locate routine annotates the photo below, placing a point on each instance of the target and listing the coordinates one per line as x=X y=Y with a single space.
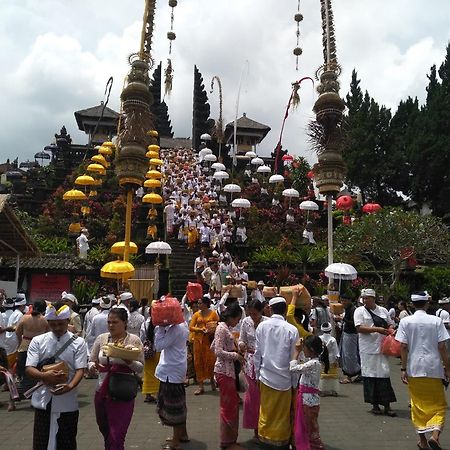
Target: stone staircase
x=181 y=265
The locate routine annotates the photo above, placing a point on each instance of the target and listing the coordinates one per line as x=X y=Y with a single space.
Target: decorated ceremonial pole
x=326 y=131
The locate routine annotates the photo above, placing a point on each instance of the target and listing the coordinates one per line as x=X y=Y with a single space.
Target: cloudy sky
x=56 y=56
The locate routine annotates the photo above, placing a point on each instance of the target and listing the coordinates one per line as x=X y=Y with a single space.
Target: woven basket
x=121 y=353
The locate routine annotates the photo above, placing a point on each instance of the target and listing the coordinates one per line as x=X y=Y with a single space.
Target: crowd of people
x=260 y=350
x=262 y=353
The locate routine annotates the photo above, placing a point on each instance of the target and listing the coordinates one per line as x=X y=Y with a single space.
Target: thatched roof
x=13 y=237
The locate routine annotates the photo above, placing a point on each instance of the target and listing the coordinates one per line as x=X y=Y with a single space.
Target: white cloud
x=57 y=55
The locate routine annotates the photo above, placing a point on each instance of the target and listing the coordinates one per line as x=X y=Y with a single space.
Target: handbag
x=240 y=380
x=122 y=387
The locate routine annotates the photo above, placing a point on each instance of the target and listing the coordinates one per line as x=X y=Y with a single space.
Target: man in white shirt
x=372 y=323
x=11 y=340
x=88 y=318
x=171 y=372
x=425 y=364
x=83 y=243
x=205 y=234
x=257 y=294
x=275 y=346
x=169 y=211
x=55 y=399
x=99 y=323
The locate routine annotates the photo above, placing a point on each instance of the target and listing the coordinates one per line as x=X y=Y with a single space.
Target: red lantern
x=344 y=203
x=346 y=220
x=370 y=208
x=310 y=175
x=287 y=158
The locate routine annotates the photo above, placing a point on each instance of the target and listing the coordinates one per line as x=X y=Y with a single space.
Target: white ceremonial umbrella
x=308 y=206
x=341 y=271
x=276 y=179
x=257 y=161
x=290 y=194
x=157 y=248
x=218 y=166
x=241 y=203
x=232 y=189
x=221 y=175
x=250 y=155
x=263 y=169
x=210 y=157
x=205 y=137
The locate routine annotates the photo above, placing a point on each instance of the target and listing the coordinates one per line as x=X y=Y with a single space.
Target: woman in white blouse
x=113 y=416
x=247 y=346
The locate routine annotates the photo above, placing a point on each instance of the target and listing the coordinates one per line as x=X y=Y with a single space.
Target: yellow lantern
x=108 y=144
x=152 y=232
x=154 y=199
x=106 y=151
x=151 y=154
x=74 y=194
x=117 y=270
x=101 y=160
x=152 y=184
x=85 y=180
x=97 y=168
x=153 y=133
x=119 y=247
x=85 y=210
x=153 y=174
x=92 y=193
x=75 y=227
x=154 y=148
x=156 y=162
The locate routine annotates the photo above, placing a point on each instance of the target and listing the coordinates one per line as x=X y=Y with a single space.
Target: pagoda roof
x=14 y=239
x=59 y=262
x=250 y=124
x=95 y=112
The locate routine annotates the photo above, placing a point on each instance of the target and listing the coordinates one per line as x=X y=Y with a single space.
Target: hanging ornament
x=168 y=72
x=297 y=50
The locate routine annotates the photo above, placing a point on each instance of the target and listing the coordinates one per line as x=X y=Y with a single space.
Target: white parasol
x=218 y=166
x=210 y=157
x=232 y=189
x=257 y=161
x=250 y=155
x=241 y=203
x=157 y=248
x=341 y=271
x=308 y=206
x=290 y=194
x=221 y=175
x=263 y=169
x=276 y=179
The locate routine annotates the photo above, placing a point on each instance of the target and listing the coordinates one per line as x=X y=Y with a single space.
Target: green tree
x=367 y=153
x=389 y=238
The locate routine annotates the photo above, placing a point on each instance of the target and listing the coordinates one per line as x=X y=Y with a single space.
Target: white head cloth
x=63 y=313
x=276 y=300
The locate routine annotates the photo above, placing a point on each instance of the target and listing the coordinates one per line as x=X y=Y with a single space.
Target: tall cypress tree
x=201 y=110
x=159 y=108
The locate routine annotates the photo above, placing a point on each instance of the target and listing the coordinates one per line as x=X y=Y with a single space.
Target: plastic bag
x=167 y=312
x=194 y=291
x=390 y=346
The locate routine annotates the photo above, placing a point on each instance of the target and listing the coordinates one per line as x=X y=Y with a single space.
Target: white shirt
x=370 y=343
x=275 y=345
x=75 y=355
x=444 y=315
x=258 y=295
x=99 y=325
x=88 y=318
x=332 y=346
x=3 y=324
x=171 y=342
x=83 y=242
x=422 y=333
x=11 y=341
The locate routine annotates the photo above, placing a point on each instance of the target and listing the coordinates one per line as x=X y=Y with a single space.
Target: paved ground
x=345 y=423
